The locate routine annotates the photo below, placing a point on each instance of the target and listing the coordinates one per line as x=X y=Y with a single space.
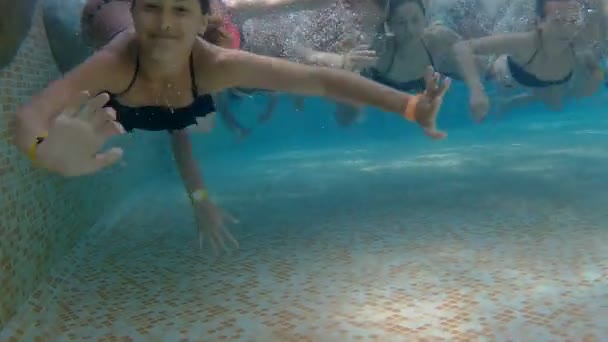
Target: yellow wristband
x=198 y=195
x=34 y=147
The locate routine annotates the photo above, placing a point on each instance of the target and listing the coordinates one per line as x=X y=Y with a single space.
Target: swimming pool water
x=496 y=234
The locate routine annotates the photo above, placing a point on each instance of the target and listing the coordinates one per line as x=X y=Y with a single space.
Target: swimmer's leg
x=223 y=109
x=507 y=104
x=298 y=102
x=273 y=100
x=347 y=115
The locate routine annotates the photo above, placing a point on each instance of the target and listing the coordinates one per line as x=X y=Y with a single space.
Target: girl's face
x=407 y=21
x=563 y=20
x=167 y=28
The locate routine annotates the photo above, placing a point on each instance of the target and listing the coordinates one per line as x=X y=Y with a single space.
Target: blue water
x=530 y=155
x=498 y=231
x=514 y=206
x=314 y=127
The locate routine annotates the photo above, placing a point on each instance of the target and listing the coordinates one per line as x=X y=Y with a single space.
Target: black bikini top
x=160 y=118
x=416 y=85
x=525 y=78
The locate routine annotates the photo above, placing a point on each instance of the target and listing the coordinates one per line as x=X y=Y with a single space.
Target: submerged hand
x=479 y=104
x=359 y=58
x=75 y=138
x=205 y=124
x=429 y=102
x=211 y=221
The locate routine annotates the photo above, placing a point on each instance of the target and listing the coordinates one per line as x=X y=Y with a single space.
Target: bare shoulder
x=523 y=39
x=214 y=65
x=440 y=38
x=526 y=44
x=515 y=44
x=107 y=69
x=441 y=34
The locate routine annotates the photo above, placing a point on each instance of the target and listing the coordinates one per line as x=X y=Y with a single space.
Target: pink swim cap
x=233 y=30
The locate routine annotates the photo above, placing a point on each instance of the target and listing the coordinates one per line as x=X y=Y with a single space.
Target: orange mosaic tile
x=519 y=256
x=42 y=216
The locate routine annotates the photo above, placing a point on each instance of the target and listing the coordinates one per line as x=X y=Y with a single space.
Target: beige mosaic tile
x=42 y=216
x=376 y=256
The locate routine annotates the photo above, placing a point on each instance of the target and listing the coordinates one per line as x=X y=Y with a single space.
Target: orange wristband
x=410 y=109
x=34 y=147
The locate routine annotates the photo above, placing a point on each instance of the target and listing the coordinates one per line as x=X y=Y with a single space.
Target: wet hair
x=540 y=7
x=385 y=40
x=215 y=32
x=391 y=5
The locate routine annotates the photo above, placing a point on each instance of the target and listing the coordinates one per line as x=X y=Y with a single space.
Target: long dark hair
x=384 y=40
x=392 y=5
x=540 y=7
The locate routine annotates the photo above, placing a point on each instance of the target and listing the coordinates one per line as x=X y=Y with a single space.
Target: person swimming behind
x=542 y=60
x=264 y=36
x=405 y=46
x=156 y=73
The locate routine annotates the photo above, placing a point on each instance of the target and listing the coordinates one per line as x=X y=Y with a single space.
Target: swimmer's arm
x=34 y=118
x=465 y=52
x=223 y=110
x=186 y=163
x=242 y=69
x=441 y=40
x=247 y=9
x=588 y=64
x=319 y=58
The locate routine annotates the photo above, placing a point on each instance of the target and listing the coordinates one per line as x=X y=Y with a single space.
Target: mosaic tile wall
x=42 y=216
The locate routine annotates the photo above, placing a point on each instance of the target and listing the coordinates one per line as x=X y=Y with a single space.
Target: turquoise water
x=366 y=233
x=314 y=127
x=370 y=233
x=527 y=157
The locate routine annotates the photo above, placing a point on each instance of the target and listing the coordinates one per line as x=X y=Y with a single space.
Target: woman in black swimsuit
x=542 y=60
x=157 y=74
x=405 y=47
